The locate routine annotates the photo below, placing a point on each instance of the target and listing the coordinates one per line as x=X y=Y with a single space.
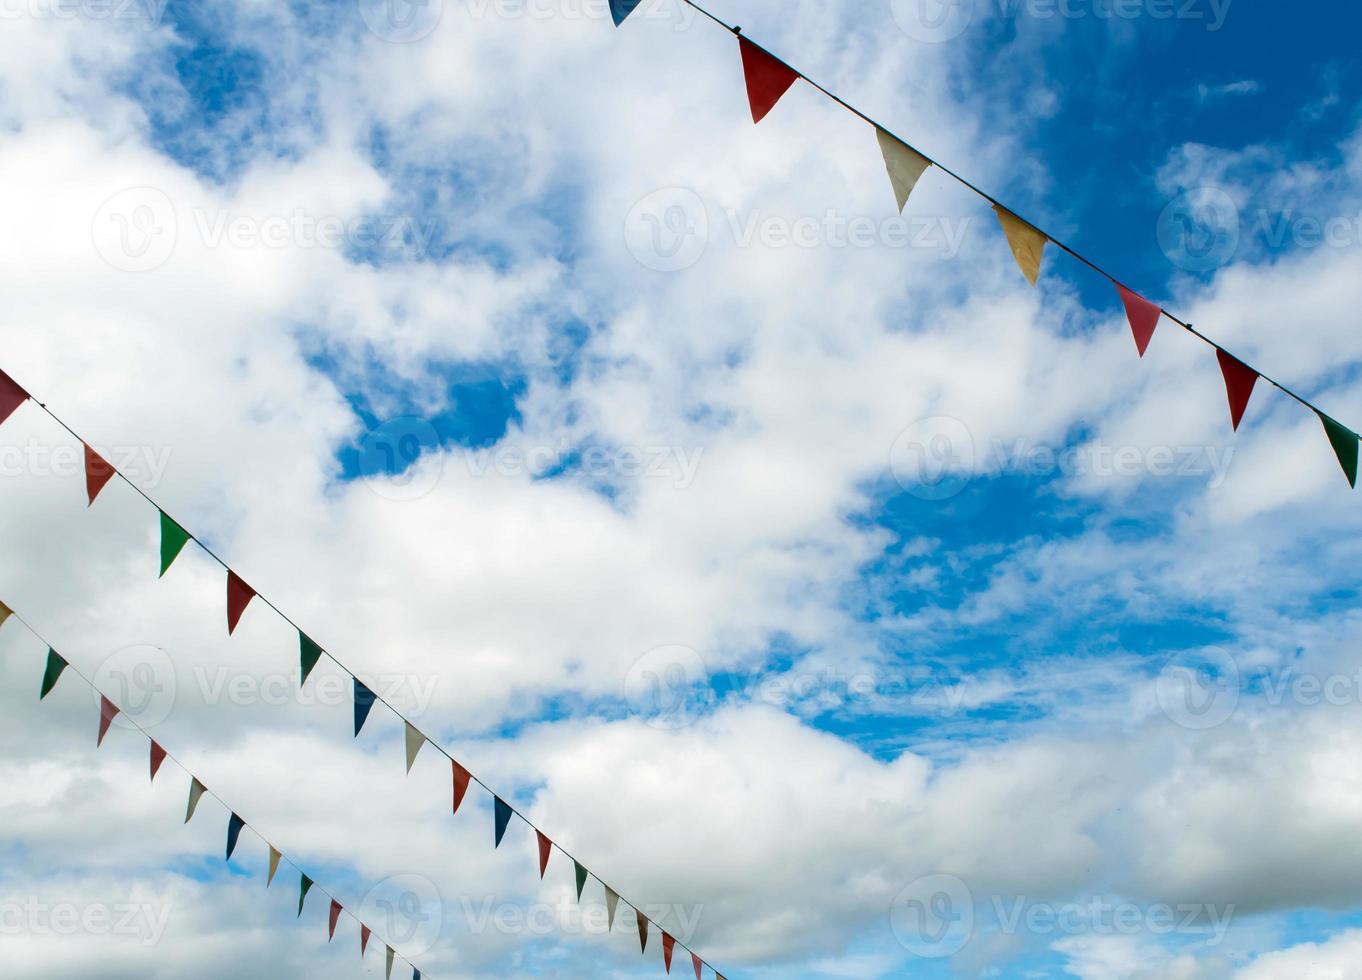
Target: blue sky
x=885 y=672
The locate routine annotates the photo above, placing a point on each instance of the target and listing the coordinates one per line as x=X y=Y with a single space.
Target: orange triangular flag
x=97 y=473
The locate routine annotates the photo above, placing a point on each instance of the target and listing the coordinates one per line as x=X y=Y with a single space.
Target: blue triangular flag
x=364 y=700
x=415 y=974
x=620 y=9
x=503 y=816
x=234 y=826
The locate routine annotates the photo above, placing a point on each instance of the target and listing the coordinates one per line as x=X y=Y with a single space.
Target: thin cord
x=737 y=32
x=246 y=824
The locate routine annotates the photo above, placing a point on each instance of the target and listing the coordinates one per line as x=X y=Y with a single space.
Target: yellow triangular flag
x=196 y=791
x=414 y=742
x=1028 y=243
x=5 y=612
x=274 y=865
x=905 y=165
x=612 y=902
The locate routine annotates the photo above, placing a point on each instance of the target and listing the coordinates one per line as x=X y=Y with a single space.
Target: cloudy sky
x=851 y=607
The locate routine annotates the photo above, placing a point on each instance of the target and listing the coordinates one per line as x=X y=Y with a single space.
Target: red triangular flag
x=238 y=594
x=1143 y=316
x=1239 y=382
x=545 y=849
x=668 y=944
x=335 y=915
x=768 y=78
x=11 y=396
x=695 y=962
x=97 y=473
x=461 y=779
x=363 y=940
x=107 y=711
x=158 y=755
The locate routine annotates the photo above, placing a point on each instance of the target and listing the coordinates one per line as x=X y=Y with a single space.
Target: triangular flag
x=696 y=962
x=238 y=594
x=364 y=933
x=158 y=756
x=612 y=901
x=234 y=825
x=11 y=396
x=56 y=663
x=364 y=702
x=768 y=78
x=620 y=9
x=304 y=886
x=415 y=974
x=905 y=165
x=545 y=849
x=173 y=539
x=5 y=613
x=1239 y=382
x=309 y=653
x=97 y=473
x=107 y=712
x=581 y=879
x=414 y=742
x=389 y=972
x=196 y=791
x=1344 y=441
x=1026 y=241
x=274 y=865
x=503 y=818
x=1143 y=316
x=668 y=946
x=331 y=925
x=642 y=930
x=462 y=777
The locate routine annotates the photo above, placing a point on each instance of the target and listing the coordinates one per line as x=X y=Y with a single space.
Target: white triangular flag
x=414 y=742
x=905 y=165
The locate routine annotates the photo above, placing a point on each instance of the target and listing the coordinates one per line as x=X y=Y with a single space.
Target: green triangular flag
x=55 y=665
x=310 y=651
x=581 y=879
x=173 y=539
x=1344 y=441
x=305 y=886
x=414 y=742
x=196 y=791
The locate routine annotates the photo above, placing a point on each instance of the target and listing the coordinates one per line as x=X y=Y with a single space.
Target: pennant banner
x=905 y=165
x=545 y=849
x=309 y=653
x=11 y=396
x=414 y=742
x=238 y=595
x=620 y=9
x=581 y=878
x=173 y=540
x=1026 y=241
x=332 y=919
x=304 y=886
x=388 y=971
x=642 y=930
x=274 y=865
x=696 y=962
x=364 y=702
x=668 y=947
x=97 y=473
x=462 y=777
x=107 y=712
x=196 y=791
x=1239 y=382
x=1344 y=441
x=234 y=825
x=158 y=756
x=768 y=78
x=612 y=902
x=5 y=613
x=55 y=665
x=503 y=818
x=364 y=933
x=1143 y=316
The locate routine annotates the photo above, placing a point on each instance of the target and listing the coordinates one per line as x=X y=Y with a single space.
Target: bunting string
x=769 y=76
x=239 y=595
x=58 y=666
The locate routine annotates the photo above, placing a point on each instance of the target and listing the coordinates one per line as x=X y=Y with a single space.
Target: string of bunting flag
x=57 y=666
x=768 y=78
x=174 y=537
